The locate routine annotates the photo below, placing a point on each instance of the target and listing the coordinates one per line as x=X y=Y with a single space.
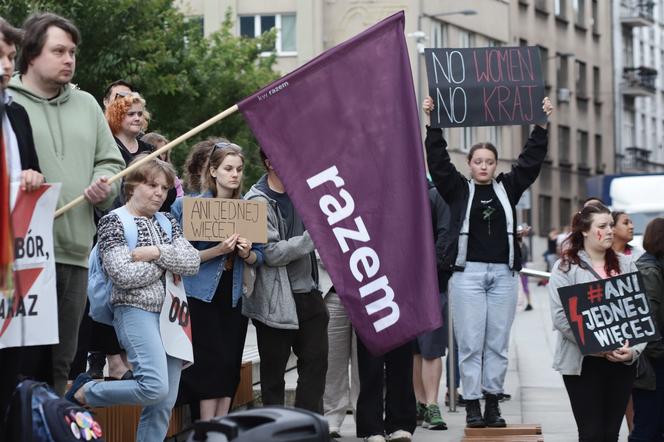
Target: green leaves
x=186 y=78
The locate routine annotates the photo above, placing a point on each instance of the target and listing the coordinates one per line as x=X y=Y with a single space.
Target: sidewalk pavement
x=538 y=393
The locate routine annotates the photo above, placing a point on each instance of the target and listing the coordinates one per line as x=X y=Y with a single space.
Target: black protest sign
x=485 y=86
x=604 y=314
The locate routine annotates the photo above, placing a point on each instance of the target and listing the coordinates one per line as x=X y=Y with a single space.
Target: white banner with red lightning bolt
x=29 y=308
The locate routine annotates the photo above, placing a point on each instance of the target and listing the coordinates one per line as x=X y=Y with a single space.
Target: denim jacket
x=203 y=285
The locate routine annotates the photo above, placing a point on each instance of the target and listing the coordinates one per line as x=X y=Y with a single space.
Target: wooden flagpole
x=231 y=110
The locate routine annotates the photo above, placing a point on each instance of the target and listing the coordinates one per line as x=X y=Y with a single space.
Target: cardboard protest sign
x=175 y=322
x=485 y=86
x=215 y=219
x=29 y=309
x=605 y=313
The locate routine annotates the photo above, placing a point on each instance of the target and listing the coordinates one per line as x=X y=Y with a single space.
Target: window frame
x=258 y=31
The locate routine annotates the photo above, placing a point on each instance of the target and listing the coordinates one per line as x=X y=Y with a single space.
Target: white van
x=642 y=197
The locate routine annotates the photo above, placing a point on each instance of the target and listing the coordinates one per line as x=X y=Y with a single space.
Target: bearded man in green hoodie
x=75 y=147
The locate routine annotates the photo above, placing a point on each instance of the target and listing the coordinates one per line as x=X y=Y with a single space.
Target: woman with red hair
x=128 y=119
x=598 y=385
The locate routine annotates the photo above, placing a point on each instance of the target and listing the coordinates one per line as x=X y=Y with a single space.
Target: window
x=599 y=161
x=561 y=70
x=252 y=26
x=579 y=12
x=563 y=145
x=580 y=74
x=595 y=13
x=544 y=56
x=546 y=179
x=582 y=149
x=525 y=134
x=628 y=46
x=544 y=213
x=467 y=138
x=559 y=8
x=495 y=136
x=195 y=23
x=653 y=134
x=565 y=211
x=629 y=122
x=439 y=37
x=596 y=84
x=466 y=39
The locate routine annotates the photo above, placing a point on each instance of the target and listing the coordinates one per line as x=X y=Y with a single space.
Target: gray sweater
x=568 y=358
x=142 y=284
x=272 y=301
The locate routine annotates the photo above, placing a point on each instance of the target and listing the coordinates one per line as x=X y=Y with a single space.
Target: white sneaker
x=400 y=436
x=375 y=438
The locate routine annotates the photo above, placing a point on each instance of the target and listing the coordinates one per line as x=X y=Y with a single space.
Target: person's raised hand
x=427 y=107
x=547 y=108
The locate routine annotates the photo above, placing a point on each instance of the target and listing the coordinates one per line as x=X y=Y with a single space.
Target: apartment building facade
x=574 y=37
x=638 y=57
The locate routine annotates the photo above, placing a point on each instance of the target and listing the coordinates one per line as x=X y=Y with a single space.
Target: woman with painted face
x=598 y=385
x=484 y=256
x=215 y=293
x=623 y=233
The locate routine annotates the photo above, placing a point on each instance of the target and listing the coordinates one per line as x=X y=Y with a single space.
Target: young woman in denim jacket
x=214 y=294
x=483 y=254
x=598 y=385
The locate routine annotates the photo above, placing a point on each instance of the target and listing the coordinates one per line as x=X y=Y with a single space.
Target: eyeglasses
x=224 y=145
x=125 y=94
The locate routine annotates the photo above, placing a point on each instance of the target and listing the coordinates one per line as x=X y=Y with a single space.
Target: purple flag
x=343 y=135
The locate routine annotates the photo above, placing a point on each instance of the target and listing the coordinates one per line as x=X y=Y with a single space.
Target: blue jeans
x=483 y=302
x=156 y=375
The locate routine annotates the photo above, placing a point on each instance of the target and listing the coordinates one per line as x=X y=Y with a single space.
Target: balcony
x=639 y=81
x=636 y=159
x=636 y=13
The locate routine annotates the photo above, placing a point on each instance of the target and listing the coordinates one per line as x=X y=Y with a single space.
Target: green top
x=75 y=147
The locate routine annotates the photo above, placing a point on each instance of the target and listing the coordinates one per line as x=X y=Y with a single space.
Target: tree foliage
x=185 y=78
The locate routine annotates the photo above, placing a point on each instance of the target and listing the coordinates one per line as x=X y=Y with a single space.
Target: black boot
x=492 y=412
x=474 y=414
x=97 y=360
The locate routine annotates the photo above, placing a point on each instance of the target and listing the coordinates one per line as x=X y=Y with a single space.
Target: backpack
x=37 y=414
x=100 y=286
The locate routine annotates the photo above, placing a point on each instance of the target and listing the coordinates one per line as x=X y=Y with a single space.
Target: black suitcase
x=263 y=425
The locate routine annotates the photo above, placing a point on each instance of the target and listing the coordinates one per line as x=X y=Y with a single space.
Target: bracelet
x=248 y=256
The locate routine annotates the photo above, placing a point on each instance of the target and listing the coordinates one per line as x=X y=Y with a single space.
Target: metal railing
x=641 y=9
x=640 y=76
